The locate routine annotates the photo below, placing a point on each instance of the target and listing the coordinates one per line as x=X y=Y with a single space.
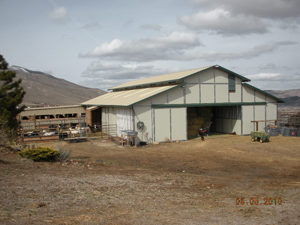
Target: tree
x=11 y=96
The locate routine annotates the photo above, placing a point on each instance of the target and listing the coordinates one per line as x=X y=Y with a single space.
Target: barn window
x=59 y=116
x=231 y=83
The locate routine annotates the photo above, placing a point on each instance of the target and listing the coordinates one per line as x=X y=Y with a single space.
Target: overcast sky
x=100 y=43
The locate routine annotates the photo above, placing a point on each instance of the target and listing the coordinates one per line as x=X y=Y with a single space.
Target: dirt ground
x=191 y=182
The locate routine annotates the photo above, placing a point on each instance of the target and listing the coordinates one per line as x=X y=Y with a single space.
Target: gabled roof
x=171 y=78
x=266 y=93
x=127 y=97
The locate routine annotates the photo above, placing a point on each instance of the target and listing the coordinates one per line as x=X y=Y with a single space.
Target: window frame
x=231 y=83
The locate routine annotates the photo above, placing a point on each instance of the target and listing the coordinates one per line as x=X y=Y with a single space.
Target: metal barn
x=174 y=106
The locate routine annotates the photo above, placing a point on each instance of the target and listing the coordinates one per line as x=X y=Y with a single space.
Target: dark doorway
x=198 y=117
x=96 y=116
x=225 y=119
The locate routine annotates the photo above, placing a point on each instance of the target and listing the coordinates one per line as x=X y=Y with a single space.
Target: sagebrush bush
x=40 y=154
x=63 y=155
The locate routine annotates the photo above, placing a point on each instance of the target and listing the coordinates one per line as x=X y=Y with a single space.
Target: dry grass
x=191 y=182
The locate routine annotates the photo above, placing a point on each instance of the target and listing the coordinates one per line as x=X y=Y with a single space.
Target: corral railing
x=61 y=129
x=52 y=129
x=104 y=130
x=51 y=123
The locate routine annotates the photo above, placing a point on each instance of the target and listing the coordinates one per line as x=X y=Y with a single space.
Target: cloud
x=280 y=81
x=256 y=51
x=155 y=27
x=265 y=76
x=272 y=66
x=107 y=74
x=58 y=14
x=177 y=49
x=91 y=25
x=236 y=17
x=117 y=71
x=169 y=47
x=223 y=22
x=272 y=9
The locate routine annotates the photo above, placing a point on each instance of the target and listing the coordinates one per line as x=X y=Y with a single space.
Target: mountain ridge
x=43 y=89
x=291 y=97
x=285 y=93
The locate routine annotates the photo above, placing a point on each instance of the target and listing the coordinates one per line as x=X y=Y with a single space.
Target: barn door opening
x=198 y=117
x=93 y=116
x=225 y=119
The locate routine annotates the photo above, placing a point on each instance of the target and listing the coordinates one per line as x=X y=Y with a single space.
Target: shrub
x=40 y=154
x=63 y=155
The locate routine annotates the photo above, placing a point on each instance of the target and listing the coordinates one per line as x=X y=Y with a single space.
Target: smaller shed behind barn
x=174 y=106
x=43 y=117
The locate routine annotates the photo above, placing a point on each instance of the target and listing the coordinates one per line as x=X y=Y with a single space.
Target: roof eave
x=88 y=105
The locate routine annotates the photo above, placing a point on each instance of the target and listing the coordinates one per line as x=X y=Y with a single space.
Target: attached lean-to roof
x=171 y=78
x=127 y=97
x=52 y=107
x=266 y=93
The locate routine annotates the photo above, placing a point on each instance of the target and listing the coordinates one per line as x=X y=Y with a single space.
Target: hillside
x=290 y=97
x=43 y=89
x=293 y=101
x=285 y=93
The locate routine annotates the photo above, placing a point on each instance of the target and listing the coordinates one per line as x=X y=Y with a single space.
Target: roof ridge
x=160 y=78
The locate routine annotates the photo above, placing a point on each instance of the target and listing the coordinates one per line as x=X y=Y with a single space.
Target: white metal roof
x=167 y=79
x=126 y=98
x=160 y=78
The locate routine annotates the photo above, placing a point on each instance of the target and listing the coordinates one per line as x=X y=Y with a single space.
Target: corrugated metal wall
x=143 y=113
x=257 y=112
x=211 y=86
x=121 y=118
x=109 y=120
x=170 y=124
x=125 y=120
x=162 y=124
